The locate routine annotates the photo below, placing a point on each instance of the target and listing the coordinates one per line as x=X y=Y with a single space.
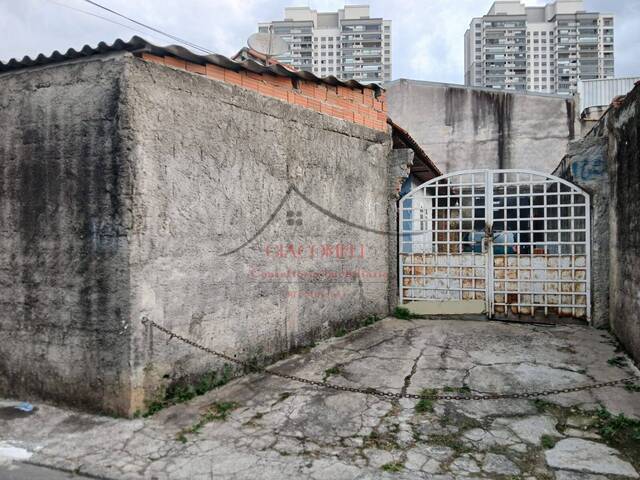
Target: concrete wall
x=585 y=165
x=65 y=185
x=464 y=128
x=125 y=186
x=605 y=163
x=623 y=127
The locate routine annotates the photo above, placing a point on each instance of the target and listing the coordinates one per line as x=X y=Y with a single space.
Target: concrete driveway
x=266 y=427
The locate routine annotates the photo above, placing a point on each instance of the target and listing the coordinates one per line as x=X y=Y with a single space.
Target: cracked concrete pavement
x=282 y=429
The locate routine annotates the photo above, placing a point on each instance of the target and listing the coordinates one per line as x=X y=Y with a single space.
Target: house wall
x=465 y=128
x=169 y=209
x=214 y=161
x=65 y=183
x=623 y=129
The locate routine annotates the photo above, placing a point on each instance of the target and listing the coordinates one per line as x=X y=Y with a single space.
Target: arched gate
x=513 y=244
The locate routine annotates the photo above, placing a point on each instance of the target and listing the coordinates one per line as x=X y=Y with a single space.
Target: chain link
x=381 y=393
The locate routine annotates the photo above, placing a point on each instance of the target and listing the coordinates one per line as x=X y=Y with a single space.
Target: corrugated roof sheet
x=600 y=92
x=139 y=45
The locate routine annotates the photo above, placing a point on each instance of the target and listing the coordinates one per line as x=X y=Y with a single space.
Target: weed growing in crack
x=547 y=442
x=283 y=396
x=299 y=349
x=542 y=476
x=450 y=441
x=218 y=411
x=632 y=387
x=253 y=421
x=425 y=404
x=617 y=431
x=335 y=370
x=615 y=427
x=463 y=389
x=340 y=332
x=381 y=441
x=180 y=392
x=393 y=467
x=618 y=361
x=404 y=313
x=370 y=320
x=453 y=418
x=542 y=405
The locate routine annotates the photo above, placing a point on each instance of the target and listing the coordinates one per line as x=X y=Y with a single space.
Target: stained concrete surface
x=468 y=127
x=25 y=471
x=143 y=199
x=282 y=429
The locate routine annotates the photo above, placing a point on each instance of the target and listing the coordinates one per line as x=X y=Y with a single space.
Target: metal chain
x=381 y=393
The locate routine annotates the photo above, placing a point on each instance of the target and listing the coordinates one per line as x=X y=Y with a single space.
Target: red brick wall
x=357 y=105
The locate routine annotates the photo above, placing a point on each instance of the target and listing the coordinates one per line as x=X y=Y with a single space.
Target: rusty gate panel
x=540 y=286
x=516 y=239
x=430 y=276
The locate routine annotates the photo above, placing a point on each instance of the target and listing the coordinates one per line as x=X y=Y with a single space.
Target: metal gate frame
x=565 y=250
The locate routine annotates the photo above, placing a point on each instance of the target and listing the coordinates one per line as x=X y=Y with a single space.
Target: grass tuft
x=618 y=361
x=370 y=320
x=547 y=442
x=218 y=411
x=340 y=332
x=451 y=441
x=425 y=404
x=335 y=370
x=180 y=392
x=393 y=467
x=615 y=427
x=403 y=313
x=463 y=389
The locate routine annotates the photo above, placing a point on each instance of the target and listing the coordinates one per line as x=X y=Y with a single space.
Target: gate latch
x=488 y=235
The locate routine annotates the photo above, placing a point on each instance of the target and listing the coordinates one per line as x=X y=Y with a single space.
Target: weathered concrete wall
x=64 y=219
x=214 y=161
x=464 y=128
x=400 y=162
x=585 y=165
x=128 y=188
x=623 y=126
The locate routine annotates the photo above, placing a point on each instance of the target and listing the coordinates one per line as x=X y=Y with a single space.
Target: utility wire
x=101 y=17
x=178 y=39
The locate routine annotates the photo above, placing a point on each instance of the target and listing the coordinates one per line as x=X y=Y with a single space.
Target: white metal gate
x=511 y=243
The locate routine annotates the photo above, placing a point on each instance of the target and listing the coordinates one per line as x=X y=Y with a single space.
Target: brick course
x=357 y=105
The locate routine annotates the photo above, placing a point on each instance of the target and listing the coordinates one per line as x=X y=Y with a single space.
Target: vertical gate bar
x=488 y=220
x=400 y=248
x=545 y=246
x=587 y=251
x=559 y=246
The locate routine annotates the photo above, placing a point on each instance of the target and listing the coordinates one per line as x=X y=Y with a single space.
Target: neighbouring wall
x=623 y=126
x=464 y=128
x=131 y=189
x=585 y=165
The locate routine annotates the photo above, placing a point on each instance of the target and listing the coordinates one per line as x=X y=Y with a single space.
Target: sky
x=427 y=35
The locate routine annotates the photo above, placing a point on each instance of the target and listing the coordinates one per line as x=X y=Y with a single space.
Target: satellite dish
x=268 y=44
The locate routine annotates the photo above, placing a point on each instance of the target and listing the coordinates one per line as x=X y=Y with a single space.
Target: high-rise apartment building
x=545 y=49
x=348 y=44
